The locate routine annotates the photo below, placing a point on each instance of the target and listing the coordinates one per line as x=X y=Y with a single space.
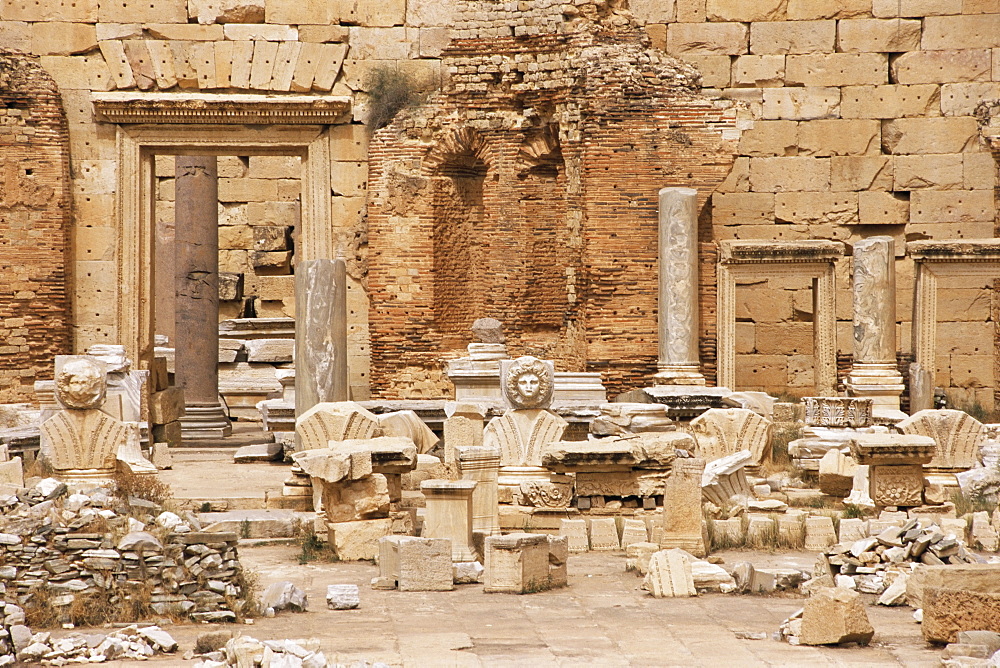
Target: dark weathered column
x=196 y=341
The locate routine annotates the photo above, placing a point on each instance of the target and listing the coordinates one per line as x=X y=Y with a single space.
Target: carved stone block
x=853 y=412
x=897 y=485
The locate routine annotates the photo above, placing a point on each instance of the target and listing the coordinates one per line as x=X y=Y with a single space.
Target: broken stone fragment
x=670 y=574
x=833 y=616
x=342 y=597
x=284 y=596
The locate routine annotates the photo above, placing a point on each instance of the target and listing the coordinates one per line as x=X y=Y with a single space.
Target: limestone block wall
x=864 y=122
x=34 y=227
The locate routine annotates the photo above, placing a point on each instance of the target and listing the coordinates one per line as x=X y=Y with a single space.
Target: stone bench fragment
x=604 y=535
x=575 y=532
x=819 y=533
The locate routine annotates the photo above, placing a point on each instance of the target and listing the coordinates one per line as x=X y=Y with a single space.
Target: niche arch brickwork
x=35 y=210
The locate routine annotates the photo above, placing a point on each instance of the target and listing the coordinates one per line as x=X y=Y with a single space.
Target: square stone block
x=517 y=563
x=416 y=564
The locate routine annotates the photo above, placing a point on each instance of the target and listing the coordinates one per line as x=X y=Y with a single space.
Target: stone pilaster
x=483 y=466
x=196 y=202
x=677 y=321
x=682 y=507
x=874 y=373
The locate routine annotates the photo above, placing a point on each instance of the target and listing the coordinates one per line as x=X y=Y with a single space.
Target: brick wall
x=34 y=226
x=527 y=191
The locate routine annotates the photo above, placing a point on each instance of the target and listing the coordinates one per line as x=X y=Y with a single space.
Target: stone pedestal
x=517 y=563
x=320 y=333
x=410 y=563
x=449 y=515
x=678 y=362
x=463 y=427
x=482 y=465
x=874 y=373
x=79 y=440
x=896 y=476
x=196 y=203
x=682 y=507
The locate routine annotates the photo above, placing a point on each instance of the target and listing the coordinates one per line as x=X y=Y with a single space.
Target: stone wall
x=864 y=122
x=860 y=120
x=34 y=226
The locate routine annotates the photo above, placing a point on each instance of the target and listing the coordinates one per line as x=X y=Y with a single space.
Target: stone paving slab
x=601 y=619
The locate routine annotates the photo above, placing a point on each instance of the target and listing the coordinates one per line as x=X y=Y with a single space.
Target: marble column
x=875 y=373
x=449 y=515
x=678 y=362
x=320 y=333
x=196 y=222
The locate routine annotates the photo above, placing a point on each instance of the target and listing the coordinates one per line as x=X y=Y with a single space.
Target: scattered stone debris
x=246 y=651
x=875 y=562
x=132 y=642
x=57 y=549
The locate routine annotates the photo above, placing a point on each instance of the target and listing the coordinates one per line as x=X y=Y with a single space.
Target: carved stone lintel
x=838 y=412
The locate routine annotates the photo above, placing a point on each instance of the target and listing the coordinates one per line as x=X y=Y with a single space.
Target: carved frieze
x=853 y=412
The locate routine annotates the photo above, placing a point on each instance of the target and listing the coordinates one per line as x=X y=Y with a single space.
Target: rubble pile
x=247 y=651
x=133 y=642
x=870 y=561
x=57 y=549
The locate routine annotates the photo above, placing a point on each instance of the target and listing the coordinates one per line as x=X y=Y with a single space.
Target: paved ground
x=601 y=619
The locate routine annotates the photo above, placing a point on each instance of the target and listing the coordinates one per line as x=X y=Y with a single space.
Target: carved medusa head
x=528 y=383
x=81 y=384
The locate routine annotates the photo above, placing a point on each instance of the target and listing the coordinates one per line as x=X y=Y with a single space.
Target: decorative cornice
x=116 y=107
x=963 y=250
x=767 y=252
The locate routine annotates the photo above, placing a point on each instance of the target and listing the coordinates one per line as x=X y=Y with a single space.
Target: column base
x=204 y=421
x=679 y=374
x=880 y=382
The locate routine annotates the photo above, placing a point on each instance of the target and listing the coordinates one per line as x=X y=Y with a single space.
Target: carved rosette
x=897 y=485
